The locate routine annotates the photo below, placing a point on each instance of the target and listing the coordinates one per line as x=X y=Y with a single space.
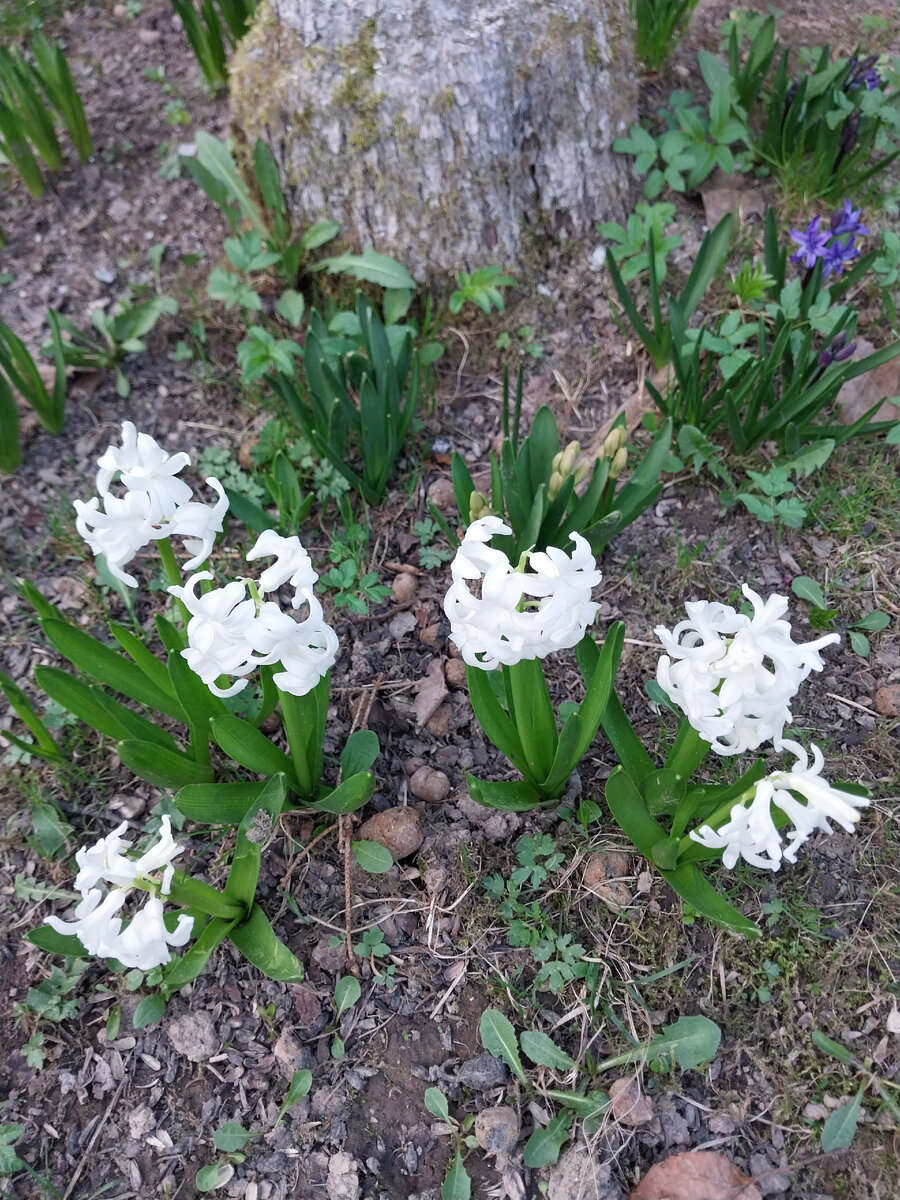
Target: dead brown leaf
x=431 y=693
x=858 y=395
x=703 y=1175
x=629 y=1104
x=724 y=194
x=605 y=874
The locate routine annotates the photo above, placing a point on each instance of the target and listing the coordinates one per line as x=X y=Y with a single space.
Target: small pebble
x=404 y=587
x=429 y=784
x=497 y=1129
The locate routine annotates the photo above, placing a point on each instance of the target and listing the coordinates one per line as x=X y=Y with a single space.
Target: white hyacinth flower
x=119 y=532
x=197 y=524
x=144 y=942
x=220 y=633
x=293 y=565
x=97 y=924
x=145 y=467
x=105 y=861
x=156 y=505
x=734 y=676
x=519 y=614
x=232 y=634
x=751 y=832
x=305 y=649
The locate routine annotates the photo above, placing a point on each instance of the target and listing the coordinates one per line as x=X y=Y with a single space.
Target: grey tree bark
x=448 y=133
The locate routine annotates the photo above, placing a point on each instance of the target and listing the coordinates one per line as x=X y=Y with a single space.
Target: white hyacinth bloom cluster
x=734 y=676
x=156 y=504
x=519 y=614
x=143 y=943
x=750 y=832
x=232 y=631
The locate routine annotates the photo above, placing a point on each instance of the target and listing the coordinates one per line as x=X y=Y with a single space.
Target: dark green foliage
x=213 y=28
x=660 y=27
x=38 y=94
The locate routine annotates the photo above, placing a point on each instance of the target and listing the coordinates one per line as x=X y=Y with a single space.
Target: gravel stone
x=194 y=1036
x=578 y=1176
x=483 y=1072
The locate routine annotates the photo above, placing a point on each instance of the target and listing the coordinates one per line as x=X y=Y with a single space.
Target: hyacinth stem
x=299 y=717
x=172 y=573
x=531 y=712
x=269 y=694
x=689 y=751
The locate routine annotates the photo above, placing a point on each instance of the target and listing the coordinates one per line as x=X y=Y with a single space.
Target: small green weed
x=355 y=586
x=50 y=1000
x=430 y=556
x=525 y=343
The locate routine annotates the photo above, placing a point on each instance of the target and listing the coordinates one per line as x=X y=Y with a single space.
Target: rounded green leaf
x=149 y=1011
x=346 y=993
x=214 y=1176
x=805 y=588
x=360 y=751
x=348 y=796
x=543 y=1147
x=232 y=1136
x=436 y=1103
x=372 y=857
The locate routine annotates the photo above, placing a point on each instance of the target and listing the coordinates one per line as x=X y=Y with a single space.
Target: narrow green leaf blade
x=544 y=1052
x=457 y=1185
x=839 y=1129
x=499 y=1038
x=217 y=803
x=107 y=667
x=256 y=940
x=251 y=748
x=163 y=768
x=253 y=832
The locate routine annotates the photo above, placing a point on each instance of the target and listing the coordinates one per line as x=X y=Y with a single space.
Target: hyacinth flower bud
x=569 y=458
x=614 y=441
x=479 y=506
x=849 y=134
x=620 y=458
x=556 y=482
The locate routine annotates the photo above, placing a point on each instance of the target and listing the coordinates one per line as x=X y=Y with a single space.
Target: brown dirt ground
x=132 y=1111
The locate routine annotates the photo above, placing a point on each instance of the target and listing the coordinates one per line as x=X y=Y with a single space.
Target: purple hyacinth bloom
x=863 y=73
x=836 y=254
x=838 y=351
x=812 y=243
x=848 y=221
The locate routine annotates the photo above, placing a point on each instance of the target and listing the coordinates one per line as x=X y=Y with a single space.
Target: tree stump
x=448 y=133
